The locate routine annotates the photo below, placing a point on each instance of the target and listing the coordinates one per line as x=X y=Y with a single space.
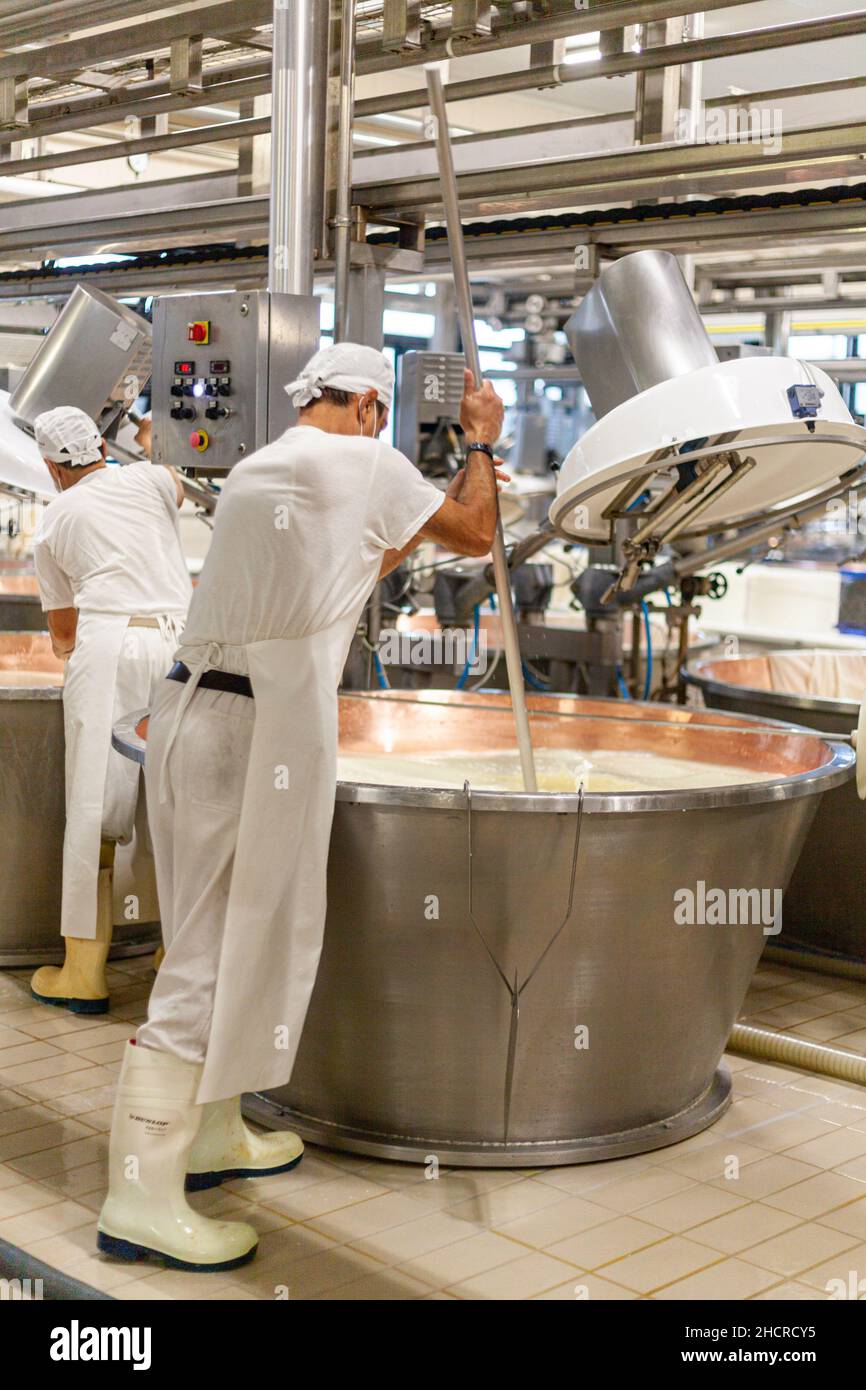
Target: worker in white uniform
x=241 y=781
x=115 y=587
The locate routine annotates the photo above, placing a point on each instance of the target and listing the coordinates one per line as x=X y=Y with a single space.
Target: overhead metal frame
x=597 y=177
x=233 y=34
x=652 y=59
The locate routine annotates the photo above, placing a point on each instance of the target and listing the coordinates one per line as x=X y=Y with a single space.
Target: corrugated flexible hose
x=810 y=960
x=751 y=1041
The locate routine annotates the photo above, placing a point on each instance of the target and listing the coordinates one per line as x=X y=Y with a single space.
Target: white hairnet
x=66 y=435
x=344 y=367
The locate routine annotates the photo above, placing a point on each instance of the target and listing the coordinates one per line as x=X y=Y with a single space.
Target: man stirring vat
x=241 y=777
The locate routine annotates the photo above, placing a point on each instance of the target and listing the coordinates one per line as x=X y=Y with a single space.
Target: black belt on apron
x=214 y=680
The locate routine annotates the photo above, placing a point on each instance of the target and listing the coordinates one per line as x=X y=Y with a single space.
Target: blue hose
x=473 y=650
x=533 y=680
x=649 y=651
x=380 y=672
x=623 y=688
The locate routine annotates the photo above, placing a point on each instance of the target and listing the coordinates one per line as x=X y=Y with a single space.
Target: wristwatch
x=477 y=448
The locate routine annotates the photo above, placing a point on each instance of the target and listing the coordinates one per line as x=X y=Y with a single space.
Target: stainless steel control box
x=429 y=396
x=221 y=361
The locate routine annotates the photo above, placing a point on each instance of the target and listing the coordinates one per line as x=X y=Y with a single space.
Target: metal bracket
x=396 y=259
x=14 y=103
x=186 y=65
x=401 y=25
x=471 y=19
x=515 y=989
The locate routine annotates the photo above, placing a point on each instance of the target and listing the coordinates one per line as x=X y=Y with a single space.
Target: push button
x=199 y=331
x=199 y=440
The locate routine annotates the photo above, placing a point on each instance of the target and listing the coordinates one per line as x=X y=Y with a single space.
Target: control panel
x=428 y=410
x=221 y=361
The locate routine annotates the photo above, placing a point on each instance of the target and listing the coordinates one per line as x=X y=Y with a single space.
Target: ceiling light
x=36 y=188
x=583 y=55
x=365 y=139
x=407 y=122
x=589 y=40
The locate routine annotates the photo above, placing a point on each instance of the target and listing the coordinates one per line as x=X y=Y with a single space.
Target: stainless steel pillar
x=298 y=124
x=445 y=335
x=777 y=326
x=343 y=175
x=363 y=301
x=667 y=100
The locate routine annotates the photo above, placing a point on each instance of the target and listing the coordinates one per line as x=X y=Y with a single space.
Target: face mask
x=361 y=422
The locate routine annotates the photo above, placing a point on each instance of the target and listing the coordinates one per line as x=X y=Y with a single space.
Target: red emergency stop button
x=199 y=440
x=199 y=332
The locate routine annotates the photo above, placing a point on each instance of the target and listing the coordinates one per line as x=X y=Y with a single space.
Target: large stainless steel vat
x=825 y=907
x=430 y=1033
x=32 y=817
x=20 y=606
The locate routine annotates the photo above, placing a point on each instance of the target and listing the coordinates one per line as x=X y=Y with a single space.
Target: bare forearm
x=479 y=492
x=467 y=524
x=393 y=558
x=63 y=628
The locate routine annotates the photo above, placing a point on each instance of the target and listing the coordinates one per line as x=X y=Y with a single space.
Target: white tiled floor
x=768 y=1204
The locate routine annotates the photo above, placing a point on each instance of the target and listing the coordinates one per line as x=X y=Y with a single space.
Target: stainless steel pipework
x=463 y=294
x=342 y=222
x=299 y=87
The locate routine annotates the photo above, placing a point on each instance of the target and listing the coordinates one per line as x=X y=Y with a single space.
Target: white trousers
x=144 y=659
x=194 y=832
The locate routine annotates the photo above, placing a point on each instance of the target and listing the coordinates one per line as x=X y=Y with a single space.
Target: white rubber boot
x=225 y=1148
x=146 y=1212
x=79 y=984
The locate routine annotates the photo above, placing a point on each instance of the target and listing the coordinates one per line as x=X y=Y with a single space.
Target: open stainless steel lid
x=686 y=446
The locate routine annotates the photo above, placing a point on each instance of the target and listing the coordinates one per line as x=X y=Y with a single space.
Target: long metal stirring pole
x=463 y=295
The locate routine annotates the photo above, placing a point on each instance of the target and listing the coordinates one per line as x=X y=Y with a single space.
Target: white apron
x=88 y=708
x=275 y=917
x=88 y=715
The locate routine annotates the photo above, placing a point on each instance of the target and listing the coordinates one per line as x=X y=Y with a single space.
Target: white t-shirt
x=299 y=535
x=112 y=543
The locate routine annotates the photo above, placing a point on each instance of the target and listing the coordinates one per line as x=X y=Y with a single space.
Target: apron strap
x=211 y=655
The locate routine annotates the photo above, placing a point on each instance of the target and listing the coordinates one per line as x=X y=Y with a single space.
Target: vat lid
x=719 y=449
x=21 y=464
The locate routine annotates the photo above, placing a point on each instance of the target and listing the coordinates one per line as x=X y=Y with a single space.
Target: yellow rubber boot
x=225 y=1148
x=79 y=984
